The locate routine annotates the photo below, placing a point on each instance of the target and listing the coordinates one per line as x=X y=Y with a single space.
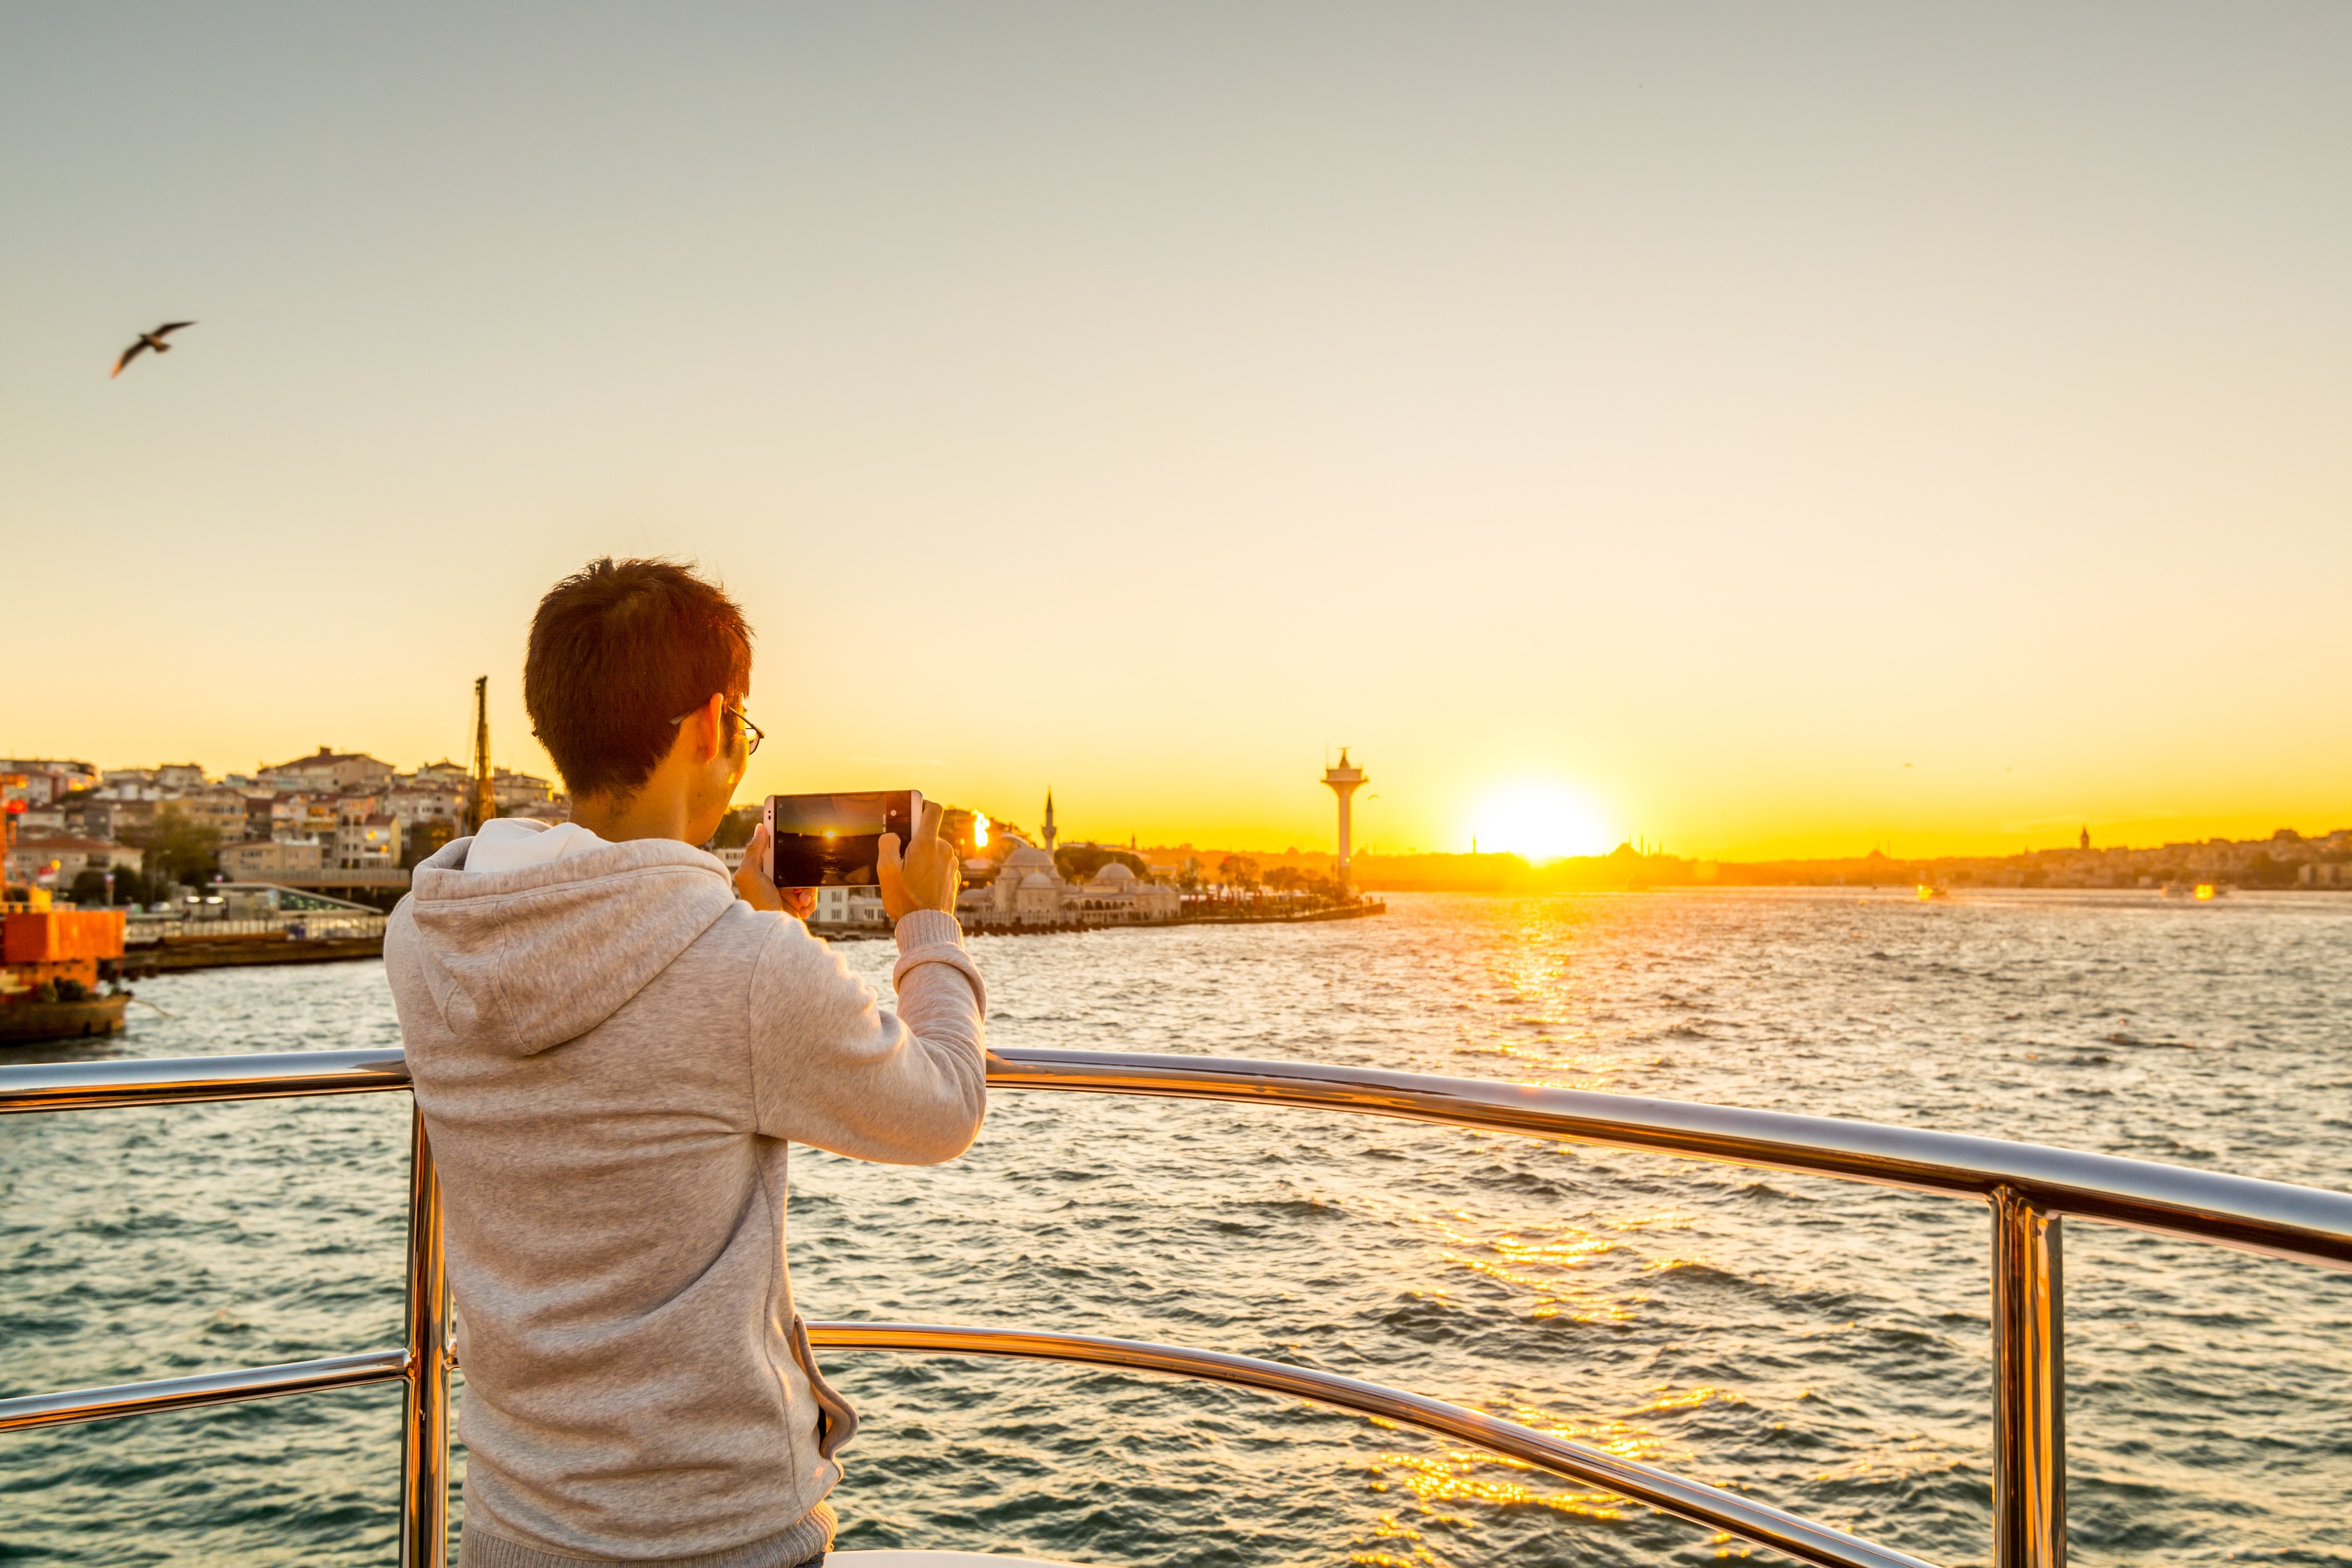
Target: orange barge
x=49 y=973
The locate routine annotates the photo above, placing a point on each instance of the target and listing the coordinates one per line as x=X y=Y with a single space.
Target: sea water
x=1817 y=1344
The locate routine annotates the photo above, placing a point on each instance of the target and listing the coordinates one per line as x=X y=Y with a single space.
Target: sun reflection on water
x=1440 y=1483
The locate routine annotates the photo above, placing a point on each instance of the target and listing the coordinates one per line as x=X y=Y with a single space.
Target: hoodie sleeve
x=832 y=1068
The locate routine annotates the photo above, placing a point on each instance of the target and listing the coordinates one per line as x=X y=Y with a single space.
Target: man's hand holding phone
x=751 y=884
x=928 y=877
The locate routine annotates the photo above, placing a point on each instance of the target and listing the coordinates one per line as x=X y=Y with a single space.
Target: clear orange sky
x=1763 y=431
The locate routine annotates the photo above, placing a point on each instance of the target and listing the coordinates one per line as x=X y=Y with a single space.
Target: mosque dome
x=1116 y=873
x=1038 y=879
x=1028 y=857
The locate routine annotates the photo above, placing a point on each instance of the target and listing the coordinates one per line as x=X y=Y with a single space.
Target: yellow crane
x=481 y=795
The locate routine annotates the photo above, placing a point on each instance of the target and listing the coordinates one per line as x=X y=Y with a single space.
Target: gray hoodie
x=612 y=1053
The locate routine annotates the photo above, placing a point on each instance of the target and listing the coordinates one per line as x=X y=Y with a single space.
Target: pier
x=166 y=945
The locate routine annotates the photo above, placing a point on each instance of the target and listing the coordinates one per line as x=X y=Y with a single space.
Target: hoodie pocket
x=836 y=1422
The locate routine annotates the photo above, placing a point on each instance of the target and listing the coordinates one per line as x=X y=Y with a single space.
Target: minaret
x=1344 y=779
x=1048 y=833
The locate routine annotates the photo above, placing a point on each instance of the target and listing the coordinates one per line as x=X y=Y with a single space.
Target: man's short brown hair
x=618 y=650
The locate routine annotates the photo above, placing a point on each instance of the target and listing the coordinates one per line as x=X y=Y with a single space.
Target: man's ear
x=709 y=724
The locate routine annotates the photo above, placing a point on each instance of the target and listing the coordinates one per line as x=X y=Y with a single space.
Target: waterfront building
x=1029 y=891
x=93 y=815
x=368 y=844
x=55 y=860
x=418 y=803
x=849 y=906
x=277 y=814
x=297 y=814
x=222 y=810
x=45 y=781
x=1115 y=895
x=273 y=859
x=328 y=769
x=1028 y=888
x=514 y=790
x=316 y=816
x=127 y=784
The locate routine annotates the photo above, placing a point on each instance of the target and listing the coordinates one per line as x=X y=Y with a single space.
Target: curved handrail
x=2028 y=1187
x=2311 y=1225
x=1694 y=1501
x=1686 y=1498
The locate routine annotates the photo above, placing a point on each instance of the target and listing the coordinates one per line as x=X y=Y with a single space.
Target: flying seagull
x=153 y=340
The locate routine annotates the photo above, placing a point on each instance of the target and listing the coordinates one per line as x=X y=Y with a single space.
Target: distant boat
x=2196 y=892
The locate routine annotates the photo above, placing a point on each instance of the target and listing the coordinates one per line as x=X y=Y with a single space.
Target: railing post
x=2029 y=1374
x=425 y=1409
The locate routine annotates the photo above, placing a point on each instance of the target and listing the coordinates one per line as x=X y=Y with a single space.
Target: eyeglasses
x=753 y=734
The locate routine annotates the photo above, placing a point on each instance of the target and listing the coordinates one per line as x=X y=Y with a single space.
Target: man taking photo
x=613 y=1049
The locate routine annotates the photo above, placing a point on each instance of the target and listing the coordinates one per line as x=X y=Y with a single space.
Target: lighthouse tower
x=1344 y=780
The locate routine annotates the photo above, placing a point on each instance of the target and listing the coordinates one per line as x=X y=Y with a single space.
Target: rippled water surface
x=1819 y=1345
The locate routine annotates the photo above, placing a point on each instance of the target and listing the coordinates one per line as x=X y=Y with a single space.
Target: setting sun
x=1540 y=821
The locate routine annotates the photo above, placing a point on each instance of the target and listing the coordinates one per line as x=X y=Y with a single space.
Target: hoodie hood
x=518 y=961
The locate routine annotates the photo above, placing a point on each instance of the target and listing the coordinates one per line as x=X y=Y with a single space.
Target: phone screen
x=835 y=840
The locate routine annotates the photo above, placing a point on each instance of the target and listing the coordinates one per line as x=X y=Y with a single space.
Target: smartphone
x=836 y=840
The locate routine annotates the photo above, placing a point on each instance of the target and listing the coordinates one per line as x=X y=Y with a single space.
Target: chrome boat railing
x=2029 y=1188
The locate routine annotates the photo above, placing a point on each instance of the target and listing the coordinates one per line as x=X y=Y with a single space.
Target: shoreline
x=176 y=956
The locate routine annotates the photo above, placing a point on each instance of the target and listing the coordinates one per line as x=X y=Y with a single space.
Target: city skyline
x=542 y=795
x=1809 y=431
